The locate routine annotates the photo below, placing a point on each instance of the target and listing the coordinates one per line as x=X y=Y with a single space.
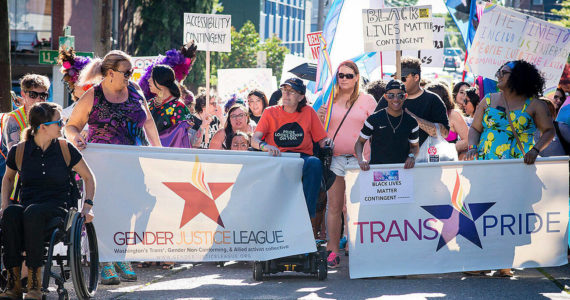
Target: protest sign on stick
x=211 y=33
x=398 y=28
x=314 y=43
x=505 y=35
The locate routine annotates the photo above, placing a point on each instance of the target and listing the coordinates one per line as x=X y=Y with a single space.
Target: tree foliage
x=564 y=12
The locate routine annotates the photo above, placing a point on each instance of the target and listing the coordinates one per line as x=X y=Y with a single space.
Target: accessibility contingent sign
x=505 y=35
x=210 y=32
x=198 y=205
x=398 y=28
x=513 y=216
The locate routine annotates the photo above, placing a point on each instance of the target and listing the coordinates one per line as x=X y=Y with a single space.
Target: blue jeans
x=312 y=176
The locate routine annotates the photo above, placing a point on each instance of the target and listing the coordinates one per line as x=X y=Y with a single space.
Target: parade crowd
x=395 y=122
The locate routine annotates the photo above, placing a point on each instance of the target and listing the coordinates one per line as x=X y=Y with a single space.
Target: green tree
x=564 y=12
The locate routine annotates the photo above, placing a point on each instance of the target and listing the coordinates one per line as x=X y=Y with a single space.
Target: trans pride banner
x=457 y=216
x=167 y=204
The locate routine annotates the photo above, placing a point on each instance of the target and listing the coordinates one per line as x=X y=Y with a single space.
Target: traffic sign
x=49 y=57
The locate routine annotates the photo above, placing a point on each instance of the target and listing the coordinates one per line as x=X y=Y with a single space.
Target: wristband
x=88 y=201
x=262 y=145
x=471 y=147
x=535 y=149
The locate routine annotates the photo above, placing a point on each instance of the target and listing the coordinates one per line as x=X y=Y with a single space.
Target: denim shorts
x=339 y=163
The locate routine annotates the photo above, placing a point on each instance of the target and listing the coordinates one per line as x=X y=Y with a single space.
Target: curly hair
x=525 y=79
x=442 y=90
x=472 y=96
x=376 y=88
x=412 y=63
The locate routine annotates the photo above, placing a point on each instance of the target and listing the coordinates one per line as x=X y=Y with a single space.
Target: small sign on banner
x=398 y=28
x=386 y=186
x=314 y=43
x=505 y=35
x=140 y=63
x=210 y=32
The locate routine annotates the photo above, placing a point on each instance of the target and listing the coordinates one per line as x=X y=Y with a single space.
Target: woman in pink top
x=354 y=107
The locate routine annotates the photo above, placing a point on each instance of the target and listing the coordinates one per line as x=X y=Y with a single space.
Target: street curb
x=168 y=274
x=553 y=280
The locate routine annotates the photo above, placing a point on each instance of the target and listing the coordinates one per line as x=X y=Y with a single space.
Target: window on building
x=267 y=7
x=273 y=8
x=30 y=24
x=266 y=33
x=537 y=2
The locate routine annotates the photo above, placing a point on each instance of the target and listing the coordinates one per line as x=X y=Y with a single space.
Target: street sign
x=49 y=57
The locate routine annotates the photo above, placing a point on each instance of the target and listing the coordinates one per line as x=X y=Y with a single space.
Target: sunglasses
x=391 y=96
x=502 y=73
x=35 y=95
x=556 y=97
x=58 y=122
x=127 y=74
x=235 y=117
x=347 y=76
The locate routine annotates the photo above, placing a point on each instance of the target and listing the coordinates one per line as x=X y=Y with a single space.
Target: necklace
x=158 y=102
x=390 y=122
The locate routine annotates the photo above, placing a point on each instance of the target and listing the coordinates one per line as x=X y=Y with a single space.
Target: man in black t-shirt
x=393 y=133
x=426 y=107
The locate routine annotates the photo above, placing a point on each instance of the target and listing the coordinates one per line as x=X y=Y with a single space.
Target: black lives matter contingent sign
x=210 y=32
x=398 y=28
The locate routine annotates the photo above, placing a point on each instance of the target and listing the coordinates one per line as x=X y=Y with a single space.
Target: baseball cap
x=296 y=84
x=395 y=84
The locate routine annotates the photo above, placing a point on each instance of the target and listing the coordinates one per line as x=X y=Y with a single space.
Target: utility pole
x=320 y=15
x=5 y=69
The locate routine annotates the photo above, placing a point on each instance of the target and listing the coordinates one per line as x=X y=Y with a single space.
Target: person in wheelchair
x=44 y=163
x=293 y=126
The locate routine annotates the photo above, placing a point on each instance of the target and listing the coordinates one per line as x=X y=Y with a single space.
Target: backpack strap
x=20 y=154
x=64 y=151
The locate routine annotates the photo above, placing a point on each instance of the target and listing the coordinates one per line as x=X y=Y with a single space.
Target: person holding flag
x=350 y=109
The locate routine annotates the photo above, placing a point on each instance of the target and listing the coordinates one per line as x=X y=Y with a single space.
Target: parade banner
x=210 y=32
x=463 y=216
x=240 y=82
x=397 y=28
x=504 y=35
x=169 y=204
x=314 y=43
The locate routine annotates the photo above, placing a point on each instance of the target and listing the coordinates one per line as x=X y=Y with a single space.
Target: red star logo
x=196 y=201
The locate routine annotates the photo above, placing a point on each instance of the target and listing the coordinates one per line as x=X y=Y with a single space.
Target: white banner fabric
x=397 y=28
x=167 y=204
x=464 y=216
x=505 y=35
x=241 y=81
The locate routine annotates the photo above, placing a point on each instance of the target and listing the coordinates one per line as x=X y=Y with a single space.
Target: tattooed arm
x=11 y=133
x=429 y=127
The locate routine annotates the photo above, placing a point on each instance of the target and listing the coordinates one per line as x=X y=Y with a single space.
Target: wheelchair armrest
x=69 y=218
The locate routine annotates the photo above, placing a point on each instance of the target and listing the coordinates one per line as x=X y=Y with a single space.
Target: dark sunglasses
x=391 y=96
x=127 y=74
x=502 y=73
x=58 y=122
x=35 y=95
x=348 y=76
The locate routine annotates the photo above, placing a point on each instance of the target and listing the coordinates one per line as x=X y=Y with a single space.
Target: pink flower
x=66 y=64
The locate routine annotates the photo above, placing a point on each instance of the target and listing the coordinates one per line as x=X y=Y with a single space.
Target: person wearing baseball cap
x=393 y=133
x=426 y=107
x=292 y=126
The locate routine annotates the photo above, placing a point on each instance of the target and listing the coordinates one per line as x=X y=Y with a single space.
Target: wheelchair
x=81 y=261
x=314 y=263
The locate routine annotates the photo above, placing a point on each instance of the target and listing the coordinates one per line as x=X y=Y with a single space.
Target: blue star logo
x=457 y=223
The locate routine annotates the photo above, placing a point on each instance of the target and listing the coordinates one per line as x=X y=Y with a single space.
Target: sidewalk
x=234 y=281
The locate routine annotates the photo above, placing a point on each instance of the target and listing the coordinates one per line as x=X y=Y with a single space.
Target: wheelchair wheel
x=85 y=277
x=322 y=270
x=258 y=271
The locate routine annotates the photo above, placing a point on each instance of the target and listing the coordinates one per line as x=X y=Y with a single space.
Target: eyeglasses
x=234 y=117
x=58 y=122
x=254 y=101
x=502 y=73
x=391 y=96
x=35 y=95
x=343 y=75
x=127 y=74
x=288 y=92
x=556 y=97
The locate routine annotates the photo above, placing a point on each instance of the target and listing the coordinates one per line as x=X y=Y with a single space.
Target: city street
x=234 y=281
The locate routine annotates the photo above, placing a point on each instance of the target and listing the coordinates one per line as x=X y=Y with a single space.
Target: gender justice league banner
x=167 y=204
x=457 y=216
x=504 y=35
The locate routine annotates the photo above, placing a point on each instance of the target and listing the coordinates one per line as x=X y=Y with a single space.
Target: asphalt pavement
x=235 y=281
